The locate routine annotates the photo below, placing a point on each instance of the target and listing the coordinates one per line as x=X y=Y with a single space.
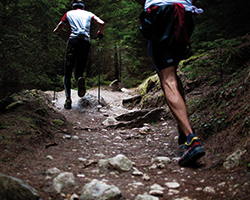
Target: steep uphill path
x=92 y=141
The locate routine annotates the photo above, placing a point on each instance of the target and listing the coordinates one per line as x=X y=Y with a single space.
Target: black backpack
x=157 y=23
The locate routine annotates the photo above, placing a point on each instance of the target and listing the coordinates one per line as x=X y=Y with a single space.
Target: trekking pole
x=54 y=96
x=99 y=77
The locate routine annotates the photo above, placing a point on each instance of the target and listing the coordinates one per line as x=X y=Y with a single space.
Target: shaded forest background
x=31 y=56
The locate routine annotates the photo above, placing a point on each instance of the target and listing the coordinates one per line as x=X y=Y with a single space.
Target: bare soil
x=24 y=152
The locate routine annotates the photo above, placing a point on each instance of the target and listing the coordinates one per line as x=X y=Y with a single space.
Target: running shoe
x=192 y=152
x=81 y=87
x=182 y=137
x=67 y=104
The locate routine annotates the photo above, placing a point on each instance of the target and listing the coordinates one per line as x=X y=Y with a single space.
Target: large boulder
x=14 y=189
x=121 y=163
x=98 y=190
x=64 y=180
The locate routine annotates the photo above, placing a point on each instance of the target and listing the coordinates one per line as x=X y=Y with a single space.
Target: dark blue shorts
x=165 y=55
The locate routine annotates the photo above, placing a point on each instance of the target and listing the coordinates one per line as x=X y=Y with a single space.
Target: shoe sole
x=81 y=87
x=197 y=153
x=67 y=106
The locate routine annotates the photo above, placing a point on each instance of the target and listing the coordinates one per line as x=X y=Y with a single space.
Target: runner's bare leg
x=175 y=99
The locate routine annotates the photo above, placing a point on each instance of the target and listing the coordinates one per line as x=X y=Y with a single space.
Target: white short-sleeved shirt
x=186 y=3
x=79 y=21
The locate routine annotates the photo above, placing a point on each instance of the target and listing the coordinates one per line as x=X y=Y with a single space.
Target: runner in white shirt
x=78 y=45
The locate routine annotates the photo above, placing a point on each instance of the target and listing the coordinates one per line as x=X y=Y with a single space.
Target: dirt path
x=113 y=99
x=79 y=148
x=203 y=182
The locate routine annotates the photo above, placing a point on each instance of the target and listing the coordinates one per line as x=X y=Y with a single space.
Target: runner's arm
x=99 y=22
x=59 y=27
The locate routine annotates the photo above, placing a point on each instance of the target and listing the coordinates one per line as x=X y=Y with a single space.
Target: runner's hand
x=100 y=35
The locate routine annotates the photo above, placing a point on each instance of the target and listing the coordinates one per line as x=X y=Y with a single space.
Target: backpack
x=153 y=20
x=166 y=24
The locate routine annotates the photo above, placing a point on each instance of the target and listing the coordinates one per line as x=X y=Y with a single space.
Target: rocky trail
x=96 y=161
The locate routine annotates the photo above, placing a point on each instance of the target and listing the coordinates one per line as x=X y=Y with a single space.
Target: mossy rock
x=14 y=105
x=143 y=88
x=58 y=122
x=14 y=189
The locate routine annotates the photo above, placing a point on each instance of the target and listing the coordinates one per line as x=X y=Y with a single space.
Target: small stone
x=156 y=187
x=122 y=132
x=80 y=175
x=121 y=163
x=47 y=178
x=172 y=185
x=109 y=121
x=74 y=197
x=171 y=192
x=143 y=133
x=75 y=137
x=222 y=184
x=53 y=171
x=160 y=165
x=232 y=160
x=145 y=177
x=67 y=136
x=148 y=140
x=209 y=189
x=136 y=184
x=118 y=138
x=175 y=159
x=162 y=159
x=146 y=197
x=156 y=192
x=63 y=180
x=145 y=129
x=103 y=163
x=49 y=157
x=137 y=173
x=95 y=171
x=82 y=159
x=154 y=166
x=100 y=155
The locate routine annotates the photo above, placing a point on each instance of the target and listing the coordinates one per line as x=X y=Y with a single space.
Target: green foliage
x=222 y=108
x=30 y=53
x=28 y=49
x=219 y=54
x=93 y=81
x=122 y=43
